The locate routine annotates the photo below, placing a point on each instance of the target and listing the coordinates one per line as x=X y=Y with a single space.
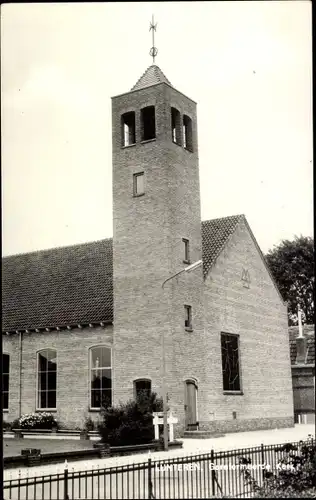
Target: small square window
x=186 y=254
x=138 y=184
x=188 y=317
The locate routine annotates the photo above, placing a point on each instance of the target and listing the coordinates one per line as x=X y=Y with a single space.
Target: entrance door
x=190 y=407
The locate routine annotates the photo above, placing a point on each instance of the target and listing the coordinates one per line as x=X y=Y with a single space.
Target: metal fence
x=196 y=476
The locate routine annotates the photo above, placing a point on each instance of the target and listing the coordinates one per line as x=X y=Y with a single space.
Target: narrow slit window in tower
x=188 y=317
x=128 y=129
x=175 y=126
x=148 y=123
x=186 y=257
x=187 y=133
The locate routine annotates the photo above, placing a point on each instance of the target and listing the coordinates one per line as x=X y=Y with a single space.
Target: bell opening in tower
x=148 y=123
x=187 y=133
x=128 y=129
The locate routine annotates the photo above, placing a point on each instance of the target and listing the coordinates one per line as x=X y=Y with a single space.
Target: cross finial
x=153 y=51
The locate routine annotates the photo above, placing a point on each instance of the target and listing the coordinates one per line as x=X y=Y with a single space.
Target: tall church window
x=138 y=184
x=230 y=362
x=46 y=379
x=142 y=387
x=176 y=126
x=5 y=380
x=100 y=377
x=128 y=129
x=188 y=317
x=148 y=123
x=187 y=133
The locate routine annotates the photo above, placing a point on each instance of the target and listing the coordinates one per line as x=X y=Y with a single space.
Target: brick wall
x=72 y=371
x=259 y=317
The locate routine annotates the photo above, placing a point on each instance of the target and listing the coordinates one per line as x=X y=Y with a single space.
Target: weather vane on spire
x=153 y=51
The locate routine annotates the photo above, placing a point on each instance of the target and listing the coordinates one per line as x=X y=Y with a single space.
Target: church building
x=94 y=323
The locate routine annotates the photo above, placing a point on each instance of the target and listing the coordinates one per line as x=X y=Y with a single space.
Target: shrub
x=130 y=423
x=6 y=426
x=89 y=424
x=295 y=476
x=41 y=420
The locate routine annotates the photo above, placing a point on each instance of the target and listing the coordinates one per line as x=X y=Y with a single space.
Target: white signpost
x=158 y=420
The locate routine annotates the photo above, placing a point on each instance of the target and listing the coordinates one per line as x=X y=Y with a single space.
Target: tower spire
x=153 y=51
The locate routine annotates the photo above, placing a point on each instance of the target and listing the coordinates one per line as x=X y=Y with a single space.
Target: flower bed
x=42 y=420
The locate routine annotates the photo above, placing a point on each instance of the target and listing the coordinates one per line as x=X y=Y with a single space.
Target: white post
x=156 y=426
x=300 y=326
x=171 y=421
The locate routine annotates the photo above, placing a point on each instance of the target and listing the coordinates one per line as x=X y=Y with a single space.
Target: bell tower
x=156 y=233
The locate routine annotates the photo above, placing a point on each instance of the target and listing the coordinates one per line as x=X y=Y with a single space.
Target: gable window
x=138 y=184
x=100 y=377
x=46 y=379
x=5 y=380
x=188 y=317
x=187 y=133
x=176 y=126
x=230 y=362
x=186 y=256
x=128 y=129
x=142 y=387
x=148 y=123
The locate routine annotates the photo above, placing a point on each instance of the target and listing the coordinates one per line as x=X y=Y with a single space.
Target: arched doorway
x=191 y=404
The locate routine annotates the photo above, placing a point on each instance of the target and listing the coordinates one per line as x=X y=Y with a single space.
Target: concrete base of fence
x=32 y=456
x=105 y=451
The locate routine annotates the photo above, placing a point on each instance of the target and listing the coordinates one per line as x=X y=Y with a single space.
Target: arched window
x=46 y=379
x=5 y=380
x=100 y=377
x=142 y=387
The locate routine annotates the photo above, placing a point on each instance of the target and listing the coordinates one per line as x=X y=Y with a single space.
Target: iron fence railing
x=195 y=476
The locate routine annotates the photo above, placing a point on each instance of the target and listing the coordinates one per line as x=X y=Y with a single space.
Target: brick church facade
x=84 y=324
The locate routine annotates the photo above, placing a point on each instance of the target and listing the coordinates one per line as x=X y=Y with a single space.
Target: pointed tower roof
x=152 y=76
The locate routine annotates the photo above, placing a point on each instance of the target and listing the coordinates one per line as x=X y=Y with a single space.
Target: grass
x=13 y=447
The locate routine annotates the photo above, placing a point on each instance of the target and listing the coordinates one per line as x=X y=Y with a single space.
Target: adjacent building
x=303 y=373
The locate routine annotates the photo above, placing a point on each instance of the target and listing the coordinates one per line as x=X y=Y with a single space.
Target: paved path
x=190 y=446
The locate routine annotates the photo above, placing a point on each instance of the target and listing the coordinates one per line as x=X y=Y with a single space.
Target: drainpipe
x=20 y=374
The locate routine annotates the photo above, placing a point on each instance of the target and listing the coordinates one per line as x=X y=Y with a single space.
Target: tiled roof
x=74 y=285
x=215 y=234
x=63 y=286
x=152 y=76
x=309 y=333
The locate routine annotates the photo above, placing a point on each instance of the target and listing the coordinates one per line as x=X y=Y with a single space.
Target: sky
x=248 y=65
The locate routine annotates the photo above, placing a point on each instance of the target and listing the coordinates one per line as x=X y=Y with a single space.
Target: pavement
x=190 y=447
